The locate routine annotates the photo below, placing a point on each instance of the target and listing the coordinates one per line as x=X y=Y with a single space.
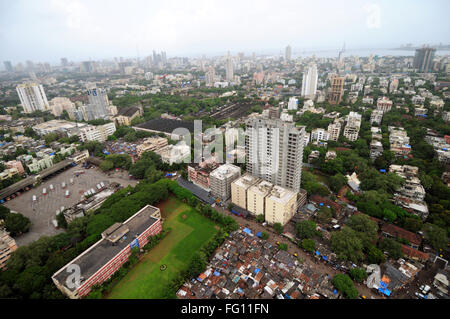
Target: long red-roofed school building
x=104 y=258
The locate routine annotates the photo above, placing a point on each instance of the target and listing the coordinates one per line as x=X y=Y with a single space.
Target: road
x=320 y=266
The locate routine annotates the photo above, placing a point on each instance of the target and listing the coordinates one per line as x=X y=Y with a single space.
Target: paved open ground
x=42 y=211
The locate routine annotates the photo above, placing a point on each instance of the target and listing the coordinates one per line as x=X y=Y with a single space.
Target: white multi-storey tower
x=293 y=103
x=309 y=85
x=288 y=53
x=32 y=96
x=229 y=68
x=210 y=76
x=274 y=151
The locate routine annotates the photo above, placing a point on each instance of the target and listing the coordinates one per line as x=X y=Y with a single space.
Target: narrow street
x=320 y=266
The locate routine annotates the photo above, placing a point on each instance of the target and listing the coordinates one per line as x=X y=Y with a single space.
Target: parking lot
x=43 y=210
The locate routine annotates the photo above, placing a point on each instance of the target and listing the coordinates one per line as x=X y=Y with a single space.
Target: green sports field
x=190 y=230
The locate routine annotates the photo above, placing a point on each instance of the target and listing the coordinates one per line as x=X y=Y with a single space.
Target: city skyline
x=80 y=30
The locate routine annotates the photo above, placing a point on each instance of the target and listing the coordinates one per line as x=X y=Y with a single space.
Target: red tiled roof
x=414 y=253
x=396 y=231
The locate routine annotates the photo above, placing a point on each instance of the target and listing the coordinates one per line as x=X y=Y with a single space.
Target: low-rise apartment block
x=7 y=246
x=281 y=205
x=152 y=144
x=221 y=179
x=384 y=104
x=256 y=196
x=399 y=141
x=351 y=130
x=376 y=117
x=239 y=189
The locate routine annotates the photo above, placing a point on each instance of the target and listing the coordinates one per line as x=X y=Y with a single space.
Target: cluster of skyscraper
x=33 y=98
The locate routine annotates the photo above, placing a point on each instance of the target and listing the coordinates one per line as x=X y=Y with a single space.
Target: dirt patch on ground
x=184 y=216
x=216 y=227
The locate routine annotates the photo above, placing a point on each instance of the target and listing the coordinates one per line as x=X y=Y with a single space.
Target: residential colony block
x=259 y=197
x=412 y=194
x=104 y=258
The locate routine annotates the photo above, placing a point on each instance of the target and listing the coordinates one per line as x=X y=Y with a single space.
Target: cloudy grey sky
x=46 y=30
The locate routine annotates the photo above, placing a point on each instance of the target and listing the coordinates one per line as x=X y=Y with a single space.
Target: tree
x=306 y=229
x=375 y=255
x=283 y=246
x=17 y=224
x=435 y=236
x=61 y=220
x=347 y=245
x=264 y=235
x=106 y=165
x=278 y=228
x=366 y=229
x=4 y=211
x=358 y=274
x=324 y=215
x=413 y=224
x=337 y=182
x=261 y=218
x=345 y=285
x=393 y=248
x=308 y=244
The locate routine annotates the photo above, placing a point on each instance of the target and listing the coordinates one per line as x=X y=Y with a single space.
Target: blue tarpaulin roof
x=216 y=273
x=382 y=170
x=256 y=270
x=248 y=231
x=258 y=234
x=335 y=291
x=387 y=292
x=383 y=284
x=287 y=296
x=317 y=253
x=321 y=204
x=324 y=257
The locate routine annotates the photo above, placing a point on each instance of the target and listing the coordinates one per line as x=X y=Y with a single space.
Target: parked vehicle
x=34 y=198
x=67 y=193
x=44 y=191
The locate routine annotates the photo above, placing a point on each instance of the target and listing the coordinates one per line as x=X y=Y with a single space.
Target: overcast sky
x=46 y=30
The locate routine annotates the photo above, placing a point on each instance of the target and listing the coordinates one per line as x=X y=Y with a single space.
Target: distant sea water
x=362 y=53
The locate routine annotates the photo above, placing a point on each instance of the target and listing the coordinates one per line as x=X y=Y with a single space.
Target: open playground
x=189 y=232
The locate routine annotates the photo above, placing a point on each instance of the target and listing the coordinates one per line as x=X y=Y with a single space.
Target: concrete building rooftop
x=246 y=181
x=114 y=240
x=281 y=195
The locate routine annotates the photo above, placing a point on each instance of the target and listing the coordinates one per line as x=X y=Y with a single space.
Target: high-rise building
x=274 y=151
x=32 y=96
x=229 y=68
x=86 y=66
x=309 y=85
x=98 y=103
x=293 y=103
x=60 y=104
x=423 y=60
x=337 y=90
x=30 y=65
x=210 y=76
x=288 y=53
x=64 y=62
x=8 y=66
